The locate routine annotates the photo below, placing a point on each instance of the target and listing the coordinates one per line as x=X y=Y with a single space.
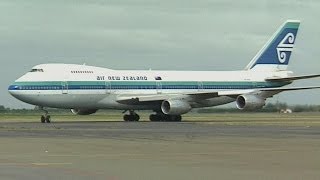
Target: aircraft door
x=159 y=87
x=108 y=87
x=257 y=85
x=254 y=85
x=64 y=87
x=200 y=86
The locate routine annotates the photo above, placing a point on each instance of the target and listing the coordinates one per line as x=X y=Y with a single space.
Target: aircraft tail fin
x=275 y=54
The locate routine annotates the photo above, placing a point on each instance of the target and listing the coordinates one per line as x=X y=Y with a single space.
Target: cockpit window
x=36 y=70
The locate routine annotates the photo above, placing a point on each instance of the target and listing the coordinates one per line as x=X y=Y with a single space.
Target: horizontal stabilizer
x=292 y=78
x=290 y=88
x=276 y=90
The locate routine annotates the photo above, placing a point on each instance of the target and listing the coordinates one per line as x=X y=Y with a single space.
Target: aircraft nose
x=18 y=91
x=12 y=89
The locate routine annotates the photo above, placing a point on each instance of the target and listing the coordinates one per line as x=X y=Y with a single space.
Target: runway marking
x=13 y=164
x=48 y=164
x=34 y=164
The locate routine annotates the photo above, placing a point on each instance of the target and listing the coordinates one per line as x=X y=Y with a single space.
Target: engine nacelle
x=250 y=102
x=175 y=107
x=83 y=111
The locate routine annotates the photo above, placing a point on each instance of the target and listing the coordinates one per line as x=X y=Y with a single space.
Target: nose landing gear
x=46 y=117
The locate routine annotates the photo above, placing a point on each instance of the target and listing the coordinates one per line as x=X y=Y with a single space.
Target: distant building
x=286 y=111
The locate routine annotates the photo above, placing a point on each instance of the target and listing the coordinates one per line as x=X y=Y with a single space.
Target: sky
x=156 y=34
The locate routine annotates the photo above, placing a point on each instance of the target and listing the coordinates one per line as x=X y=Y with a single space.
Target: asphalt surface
x=149 y=129
x=157 y=150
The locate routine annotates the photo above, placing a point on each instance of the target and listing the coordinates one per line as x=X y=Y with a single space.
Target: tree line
x=4 y=109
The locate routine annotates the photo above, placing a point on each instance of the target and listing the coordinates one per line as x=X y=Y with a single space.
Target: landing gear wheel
x=175 y=118
x=136 y=117
x=156 y=117
x=43 y=119
x=48 y=118
x=153 y=117
x=126 y=117
x=131 y=117
x=165 y=118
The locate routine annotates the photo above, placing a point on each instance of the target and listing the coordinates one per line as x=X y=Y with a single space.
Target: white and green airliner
x=86 y=89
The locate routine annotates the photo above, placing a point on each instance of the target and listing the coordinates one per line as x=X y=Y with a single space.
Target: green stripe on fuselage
x=230 y=84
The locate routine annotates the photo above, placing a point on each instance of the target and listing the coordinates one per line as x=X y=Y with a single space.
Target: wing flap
x=235 y=92
x=292 y=78
x=135 y=99
x=289 y=88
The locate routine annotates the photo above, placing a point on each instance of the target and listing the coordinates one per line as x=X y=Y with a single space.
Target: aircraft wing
x=277 y=79
x=136 y=99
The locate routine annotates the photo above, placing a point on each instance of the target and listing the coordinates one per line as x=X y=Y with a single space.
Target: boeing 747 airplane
x=85 y=89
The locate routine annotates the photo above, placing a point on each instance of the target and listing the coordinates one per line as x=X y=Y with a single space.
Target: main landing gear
x=164 y=117
x=132 y=116
x=158 y=117
x=46 y=117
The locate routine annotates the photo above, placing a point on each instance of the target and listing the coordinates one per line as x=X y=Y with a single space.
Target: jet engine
x=83 y=111
x=250 y=102
x=175 y=107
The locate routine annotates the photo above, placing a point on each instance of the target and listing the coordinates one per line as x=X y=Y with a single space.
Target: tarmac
x=157 y=150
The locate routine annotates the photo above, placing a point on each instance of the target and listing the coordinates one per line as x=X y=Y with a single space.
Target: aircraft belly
x=110 y=102
x=214 y=101
x=58 y=100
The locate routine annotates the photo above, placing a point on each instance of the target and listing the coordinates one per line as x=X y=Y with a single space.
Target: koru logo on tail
x=284 y=48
